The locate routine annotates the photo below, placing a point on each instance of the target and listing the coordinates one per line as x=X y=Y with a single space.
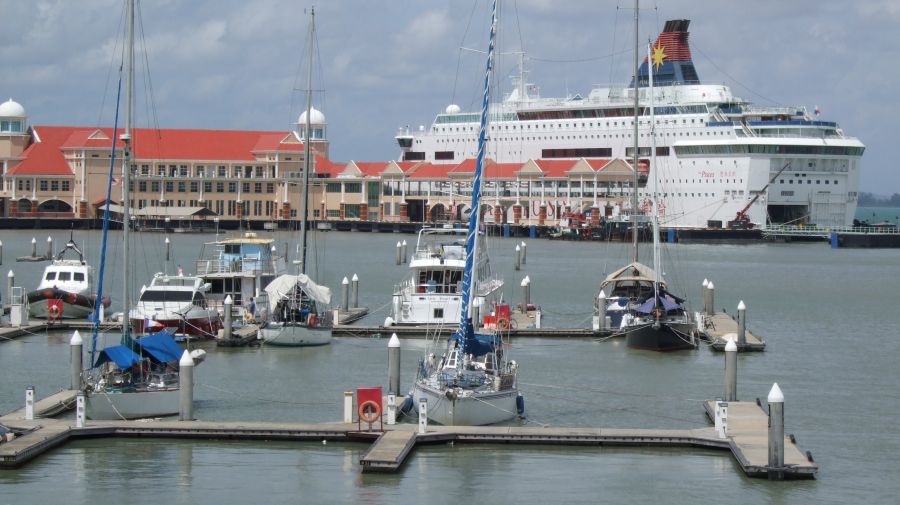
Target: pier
x=746 y=437
x=721 y=327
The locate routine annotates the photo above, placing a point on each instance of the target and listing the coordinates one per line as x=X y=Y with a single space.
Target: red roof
x=597 y=165
x=371 y=168
x=406 y=166
x=555 y=168
x=44 y=157
x=327 y=167
x=492 y=170
x=278 y=141
x=431 y=171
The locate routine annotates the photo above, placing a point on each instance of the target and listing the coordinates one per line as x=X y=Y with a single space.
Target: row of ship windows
x=615 y=124
x=808 y=181
x=588 y=137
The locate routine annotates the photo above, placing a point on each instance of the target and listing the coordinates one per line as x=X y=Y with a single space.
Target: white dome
x=452 y=109
x=11 y=109
x=315 y=117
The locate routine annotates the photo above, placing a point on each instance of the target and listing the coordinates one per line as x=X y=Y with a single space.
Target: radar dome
x=315 y=117
x=11 y=109
x=452 y=109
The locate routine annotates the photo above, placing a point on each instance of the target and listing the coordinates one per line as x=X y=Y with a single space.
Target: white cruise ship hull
x=112 y=405
x=289 y=335
x=477 y=409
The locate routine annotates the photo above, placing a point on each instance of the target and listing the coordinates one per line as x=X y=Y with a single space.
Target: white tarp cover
x=283 y=285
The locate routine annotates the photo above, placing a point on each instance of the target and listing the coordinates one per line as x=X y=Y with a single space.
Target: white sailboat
x=138 y=378
x=639 y=303
x=474 y=383
x=299 y=312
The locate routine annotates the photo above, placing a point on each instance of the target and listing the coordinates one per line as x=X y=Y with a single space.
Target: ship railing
x=251 y=266
x=773 y=230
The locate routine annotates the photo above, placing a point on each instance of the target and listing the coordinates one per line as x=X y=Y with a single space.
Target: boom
x=741 y=220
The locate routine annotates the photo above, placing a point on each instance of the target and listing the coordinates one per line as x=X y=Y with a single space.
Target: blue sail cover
x=160 y=346
x=475 y=344
x=121 y=355
x=651 y=304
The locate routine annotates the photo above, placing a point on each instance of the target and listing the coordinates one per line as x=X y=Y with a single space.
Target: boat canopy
x=651 y=304
x=283 y=286
x=631 y=272
x=477 y=345
x=121 y=355
x=161 y=346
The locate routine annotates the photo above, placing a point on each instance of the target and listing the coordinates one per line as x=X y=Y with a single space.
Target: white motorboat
x=66 y=288
x=177 y=303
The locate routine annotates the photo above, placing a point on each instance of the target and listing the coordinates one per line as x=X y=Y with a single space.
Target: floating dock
x=721 y=325
x=746 y=438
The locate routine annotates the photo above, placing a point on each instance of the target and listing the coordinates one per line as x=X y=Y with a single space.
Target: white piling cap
x=518 y=248
x=602 y=295
x=730 y=346
x=10 y=274
x=710 y=285
x=705 y=283
x=525 y=282
x=186 y=359
x=775 y=395
x=355 y=278
x=398 y=244
x=523 y=243
x=404 y=242
x=345 y=281
x=228 y=300
x=33 y=240
x=394 y=341
x=167 y=240
x=49 y=239
x=528 y=277
x=76 y=339
x=741 y=306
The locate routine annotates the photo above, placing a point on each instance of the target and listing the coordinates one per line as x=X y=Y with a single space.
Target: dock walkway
x=720 y=325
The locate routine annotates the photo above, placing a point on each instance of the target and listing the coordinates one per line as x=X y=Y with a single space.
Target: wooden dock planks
x=389 y=451
x=720 y=324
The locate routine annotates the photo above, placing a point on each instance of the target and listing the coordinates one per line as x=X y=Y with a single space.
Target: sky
x=381 y=65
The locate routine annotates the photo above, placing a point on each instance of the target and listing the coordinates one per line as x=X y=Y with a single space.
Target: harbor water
x=829 y=317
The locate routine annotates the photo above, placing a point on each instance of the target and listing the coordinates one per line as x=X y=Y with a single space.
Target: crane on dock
x=741 y=220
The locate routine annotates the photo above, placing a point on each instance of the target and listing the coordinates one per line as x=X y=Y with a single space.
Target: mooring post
x=524 y=253
x=345 y=294
x=526 y=295
x=705 y=293
x=10 y=282
x=712 y=298
x=1 y=252
x=79 y=409
x=76 y=344
x=399 y=252
x=49 y=248
x=29 y=403
x=348 y=407
x=731 y=371
x=168 y=249
x=776 y=434
x=601 y=310
x=742 y=324
x=391 y=409
x=405 y=257
x=394 y=365
x=518 y=257
x=423 y=415
x=33 y=247
x=354 y=291
x=227 y=331
x=186 y=387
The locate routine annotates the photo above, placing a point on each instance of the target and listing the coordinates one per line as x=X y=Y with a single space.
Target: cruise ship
x=722 y=160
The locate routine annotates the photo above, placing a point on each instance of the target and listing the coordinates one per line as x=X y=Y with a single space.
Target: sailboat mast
x=654 y=192
x=468 y=289
x=634 y=164
x=306 y=136
x=126 y=160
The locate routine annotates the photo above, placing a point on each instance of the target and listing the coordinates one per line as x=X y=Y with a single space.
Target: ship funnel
x=671 y=57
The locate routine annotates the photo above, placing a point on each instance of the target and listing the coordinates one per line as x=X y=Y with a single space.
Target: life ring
x=369 y=411
x=503 y=323
x=53 y=311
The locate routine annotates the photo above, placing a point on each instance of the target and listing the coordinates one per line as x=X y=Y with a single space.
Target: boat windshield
x=163 y=295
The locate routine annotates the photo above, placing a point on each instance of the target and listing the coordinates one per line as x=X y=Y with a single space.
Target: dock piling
x=394 y=365
x=518 y=258
x=77 y=344
x=33 y=247
x=524 y=253
x=79 y=410
x=526 y=293
x=354 y=291
x=601 y=310
x=776 y=434
x=10 y=282
x=403 y=250
x=731 y=371
x=168 y=249
x=423 y=415
x=49 y=248
x=186 y=387
x=1 y=252
x=705 y=293
x=345 y=294
x=711 y=290
x=227 y=331
x=399 y=252
x=742 y=324
x=29 y=403
x=348 y=407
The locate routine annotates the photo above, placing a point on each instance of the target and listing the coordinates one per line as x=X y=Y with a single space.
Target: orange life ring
x=503 y=323
x=369 y=411
x=53 y=311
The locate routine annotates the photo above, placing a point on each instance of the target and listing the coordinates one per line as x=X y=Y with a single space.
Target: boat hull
x=111 y=405
x=664 y=337
x=481 y=408
x=294 y=335
x=39 y=310
x=207 y=326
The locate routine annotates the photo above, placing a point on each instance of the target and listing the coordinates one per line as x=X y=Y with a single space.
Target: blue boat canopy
x=121 y=355
x=651 y=304
x=160 y=346
x=477 y=345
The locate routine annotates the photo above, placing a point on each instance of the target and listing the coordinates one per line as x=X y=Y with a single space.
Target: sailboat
x=474 y=383
x=299 y=312
x=639 y=302
x=138 y=378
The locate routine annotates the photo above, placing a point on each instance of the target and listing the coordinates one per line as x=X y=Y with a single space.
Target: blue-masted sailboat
x=474 y=383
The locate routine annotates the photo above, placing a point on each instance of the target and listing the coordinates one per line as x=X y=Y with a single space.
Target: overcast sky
x=237 y=64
